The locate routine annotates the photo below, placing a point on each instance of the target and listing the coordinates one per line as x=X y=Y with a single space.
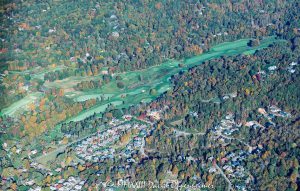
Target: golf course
x=137 y=90
x=137 y=84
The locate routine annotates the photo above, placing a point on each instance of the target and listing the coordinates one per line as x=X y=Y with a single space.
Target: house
x=223 y=160
x=30 y=183
x=231 y=155
x=195 y=114
x=66 y=183
x=155 y=115
x=3 y=50
x=115 y=34
x=142 y=116
x=52 y=30
x=212 y=170
x=58 y=186
x=72 y=179
x=33 y=152
x=274 y=109
x=72 y=59
x=228 y=168
x=137 y=143
x=130 y=160
x=143 y=132
x=272 y=68
x=249 y=123
x=78 y=187
x=261 y=72
x=262 y=111
x=127 y=117
x=241 y=187
x=35 y=189
x=225 y=97
x=235 y=163
x=113 y=17
x=227 y=132
x=292 y=71
x=104 y=72
x=285 y=114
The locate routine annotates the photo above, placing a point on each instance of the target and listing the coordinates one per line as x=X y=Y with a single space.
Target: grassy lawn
x=40 y=75
x=21 y=104
x=89 y=95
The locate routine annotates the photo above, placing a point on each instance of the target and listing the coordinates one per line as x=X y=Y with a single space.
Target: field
x=21 y=104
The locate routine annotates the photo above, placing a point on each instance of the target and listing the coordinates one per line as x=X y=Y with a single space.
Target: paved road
x=225 y=177
x=62 y=148
x=232 y=138
x=179 y=133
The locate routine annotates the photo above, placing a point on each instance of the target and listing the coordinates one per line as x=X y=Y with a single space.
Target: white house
x=272 y=68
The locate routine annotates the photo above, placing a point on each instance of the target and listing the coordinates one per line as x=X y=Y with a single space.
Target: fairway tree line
x=96 y=84
x=91 y=69
x=92 y=123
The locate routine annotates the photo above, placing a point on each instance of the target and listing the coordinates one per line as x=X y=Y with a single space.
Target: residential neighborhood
x=183 y=95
